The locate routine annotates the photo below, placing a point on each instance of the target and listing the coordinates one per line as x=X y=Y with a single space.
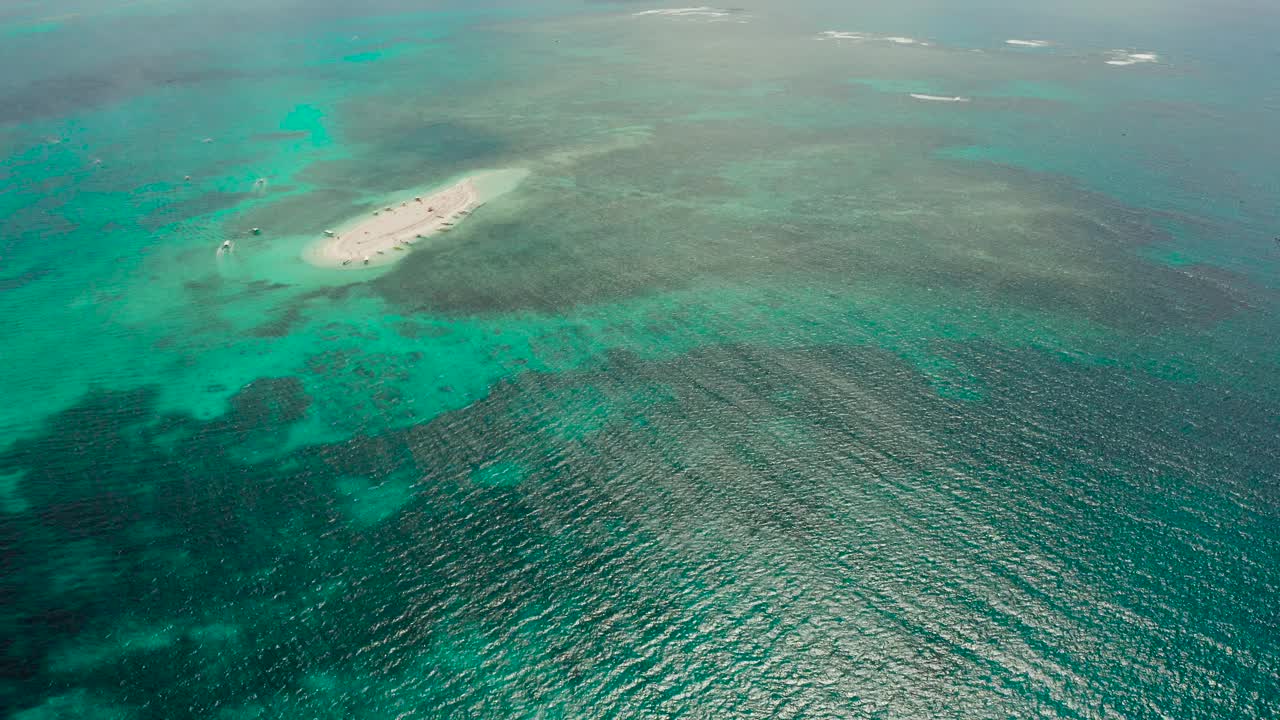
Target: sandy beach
x=387 y=233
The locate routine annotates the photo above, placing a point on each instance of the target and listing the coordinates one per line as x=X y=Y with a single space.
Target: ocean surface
x=834 y=360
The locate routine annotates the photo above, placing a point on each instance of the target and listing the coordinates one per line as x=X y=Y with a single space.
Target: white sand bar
x=385 y=234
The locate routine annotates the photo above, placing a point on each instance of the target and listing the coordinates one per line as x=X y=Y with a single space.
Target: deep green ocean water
x=772 y=392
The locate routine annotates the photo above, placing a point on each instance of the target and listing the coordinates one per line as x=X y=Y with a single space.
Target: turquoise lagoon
x=771 y=392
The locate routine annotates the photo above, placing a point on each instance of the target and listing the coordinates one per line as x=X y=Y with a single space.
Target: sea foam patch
x=870 y=37
x=1124 y=57
x=1028 y=43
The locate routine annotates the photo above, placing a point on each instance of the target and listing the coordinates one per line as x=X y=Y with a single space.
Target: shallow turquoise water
x=772 y=391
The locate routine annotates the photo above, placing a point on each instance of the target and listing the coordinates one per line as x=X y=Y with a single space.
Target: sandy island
x=386 y=235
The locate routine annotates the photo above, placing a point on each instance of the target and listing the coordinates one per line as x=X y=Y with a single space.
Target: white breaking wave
x=940 y=98
x=686 y=12
x=1028 y=43
x=895 y=39
x=1124 y=57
